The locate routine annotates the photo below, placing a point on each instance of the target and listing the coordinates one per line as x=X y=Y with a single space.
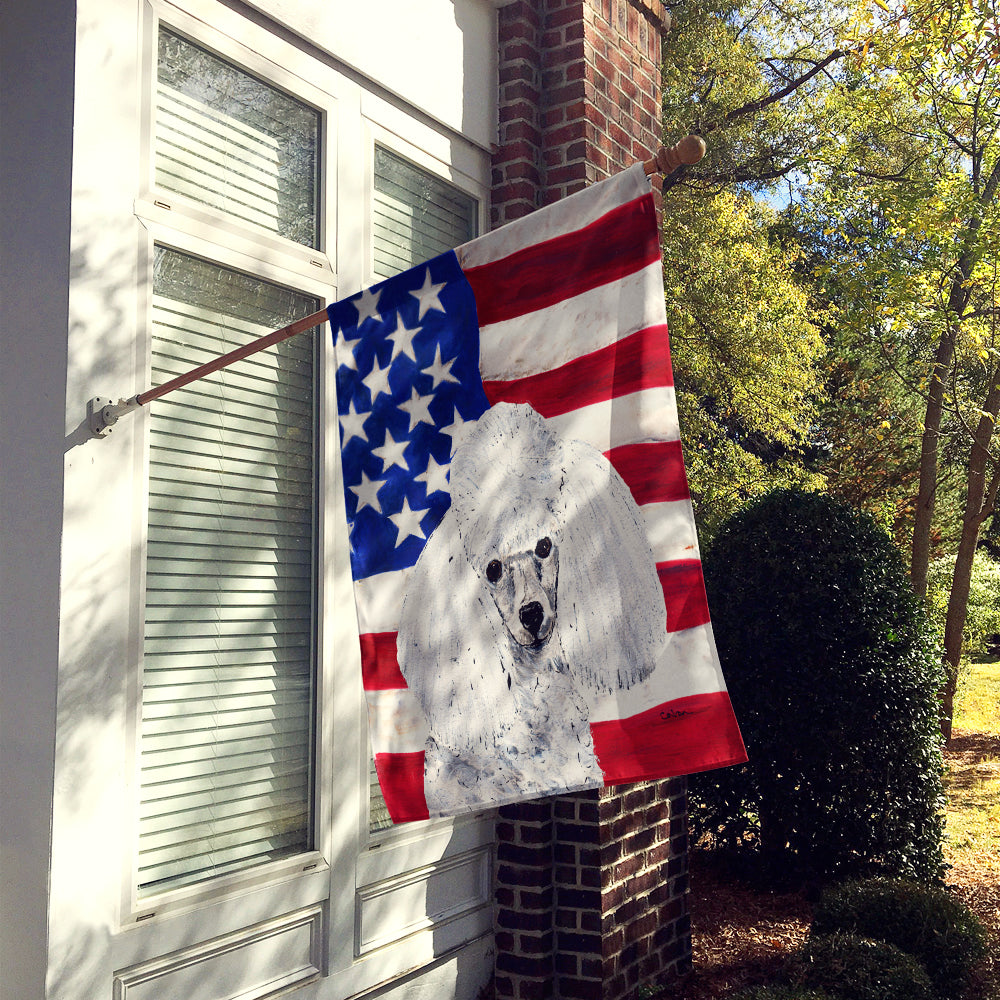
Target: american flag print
x=562 y=311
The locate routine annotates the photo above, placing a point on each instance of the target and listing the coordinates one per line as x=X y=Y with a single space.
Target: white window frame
x=180 y=224
x=351 y=875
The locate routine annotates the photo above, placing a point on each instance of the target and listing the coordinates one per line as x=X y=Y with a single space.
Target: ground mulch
x=742 y=934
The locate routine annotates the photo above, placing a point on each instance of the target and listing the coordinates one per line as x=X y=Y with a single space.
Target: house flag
x=528 y=586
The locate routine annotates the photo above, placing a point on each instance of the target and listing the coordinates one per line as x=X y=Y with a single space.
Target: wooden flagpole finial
x=668 y=158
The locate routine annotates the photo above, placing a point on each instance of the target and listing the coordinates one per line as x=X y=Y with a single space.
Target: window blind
x=228 y=140
x=415 y=216
x=228 y=654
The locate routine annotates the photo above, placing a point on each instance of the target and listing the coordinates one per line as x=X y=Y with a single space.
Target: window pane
x=226 y=139
x=228 y=677
x=416 y=216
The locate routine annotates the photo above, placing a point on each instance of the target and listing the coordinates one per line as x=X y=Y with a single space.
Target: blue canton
x=407 y=378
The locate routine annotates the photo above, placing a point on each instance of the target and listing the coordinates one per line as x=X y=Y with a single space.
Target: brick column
x=579 y=96
x=591 y=889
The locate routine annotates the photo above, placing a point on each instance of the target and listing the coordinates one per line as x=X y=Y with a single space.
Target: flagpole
x=103 y=413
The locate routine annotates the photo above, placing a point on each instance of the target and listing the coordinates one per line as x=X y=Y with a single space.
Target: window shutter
x=228 y=664
x=416 y=216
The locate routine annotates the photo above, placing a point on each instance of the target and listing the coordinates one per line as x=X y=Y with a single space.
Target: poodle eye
x=543 y=548
x=494 y=570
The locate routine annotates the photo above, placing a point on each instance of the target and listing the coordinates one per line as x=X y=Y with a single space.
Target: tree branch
x=754 y=106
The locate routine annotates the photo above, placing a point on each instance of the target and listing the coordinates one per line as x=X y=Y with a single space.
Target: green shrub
x=856 y=968
x=926 y=922
x=833 y=673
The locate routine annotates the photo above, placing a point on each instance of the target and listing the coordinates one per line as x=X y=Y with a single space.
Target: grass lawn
x=973 y=811
x=974 y=770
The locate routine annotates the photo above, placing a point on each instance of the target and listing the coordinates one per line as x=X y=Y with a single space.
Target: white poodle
x=536 y=595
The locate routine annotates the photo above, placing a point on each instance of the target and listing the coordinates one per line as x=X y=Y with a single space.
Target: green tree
x=912 y=189
x=747 y=357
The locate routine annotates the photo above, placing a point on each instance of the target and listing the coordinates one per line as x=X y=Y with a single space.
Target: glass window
x=416 y=216
x=228 y=140
x=228 y=680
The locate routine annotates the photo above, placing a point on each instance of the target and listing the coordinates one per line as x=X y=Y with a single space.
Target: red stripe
x=638 y=361
x=653 y=471
x=379 y=662
x=401 y=778
x=684 y=594
x=690 y=734
x=617 y=244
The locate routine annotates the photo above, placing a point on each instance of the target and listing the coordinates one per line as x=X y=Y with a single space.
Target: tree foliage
x=747 y=357
x=879 y=124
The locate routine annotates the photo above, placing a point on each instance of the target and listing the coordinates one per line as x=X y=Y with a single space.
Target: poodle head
x=506 y=494
x=523 y=579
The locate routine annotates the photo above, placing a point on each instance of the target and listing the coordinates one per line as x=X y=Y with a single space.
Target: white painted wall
x=36 y=118
x=72 y=289
x=434 y=54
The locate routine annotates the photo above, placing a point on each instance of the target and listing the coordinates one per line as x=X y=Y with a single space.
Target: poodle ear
x=451 y=644
x=611 y=609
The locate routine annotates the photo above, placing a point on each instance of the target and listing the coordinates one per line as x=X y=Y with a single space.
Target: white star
x=345 y=353
x=454 y=430
x=377 y=380
x=427 y=295
x=418 y=408
x=402 y=341
x=407 y=522
x=391 y=452
x=353 y=423
x=367 y=306
x=440 y=372
x=434 y=477
x=367 y=493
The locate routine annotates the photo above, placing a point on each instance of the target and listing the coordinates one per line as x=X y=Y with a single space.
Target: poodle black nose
x=531 y=616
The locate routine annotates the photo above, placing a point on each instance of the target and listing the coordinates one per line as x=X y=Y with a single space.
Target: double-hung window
x=275 y=184
x=229 y=680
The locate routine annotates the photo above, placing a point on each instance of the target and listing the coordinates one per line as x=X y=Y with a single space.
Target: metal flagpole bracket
x=103 y=413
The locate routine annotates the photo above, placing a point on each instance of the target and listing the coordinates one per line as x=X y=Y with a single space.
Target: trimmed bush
x=926 y=922
x=856 y=968
x=833 y=672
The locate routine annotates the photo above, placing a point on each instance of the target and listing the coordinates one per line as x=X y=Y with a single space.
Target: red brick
x=538 y=920
x=563 y=53
x=571 y=14
x=522 y=90
x=520 y=130
x=531 y=944
x=535 y=899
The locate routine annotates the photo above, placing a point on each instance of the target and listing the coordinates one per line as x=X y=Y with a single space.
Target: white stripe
x=380 y=600
x=670 y=530
x=688 y=665
x=565 y=216
x=544 y=339
x=396 y=723
x=647 y=415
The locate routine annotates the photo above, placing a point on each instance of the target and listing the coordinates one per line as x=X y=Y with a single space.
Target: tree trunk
x=958 y=299
x=920 y=554
x=980 y=499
